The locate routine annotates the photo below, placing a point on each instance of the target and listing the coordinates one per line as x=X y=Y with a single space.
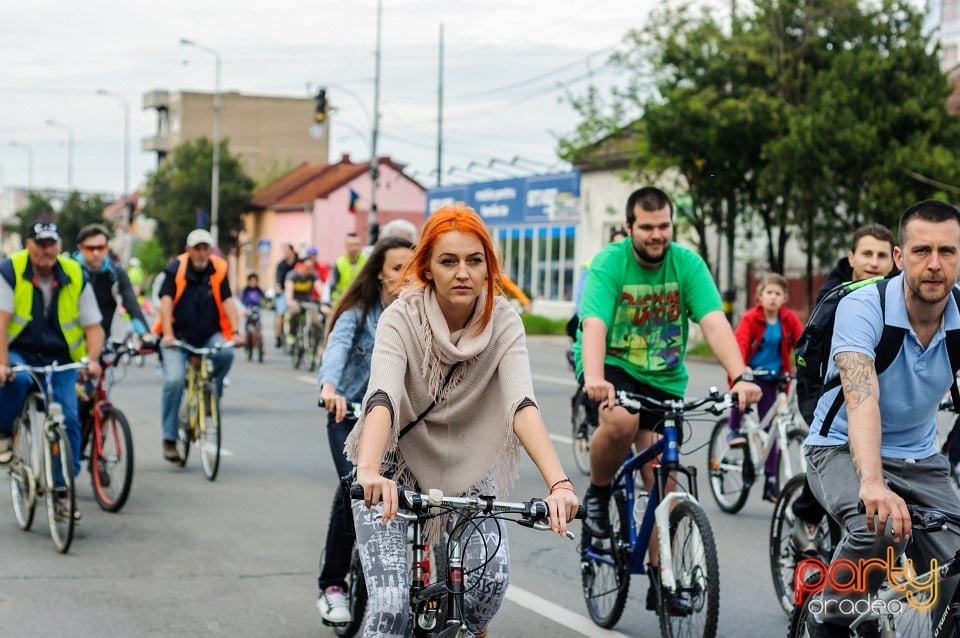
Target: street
x=238 y=557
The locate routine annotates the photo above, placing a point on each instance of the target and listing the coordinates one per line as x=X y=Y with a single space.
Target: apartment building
x=271 y=134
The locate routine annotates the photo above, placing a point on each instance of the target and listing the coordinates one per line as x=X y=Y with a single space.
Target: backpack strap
x=409 y=426
x=953 y=350
x=891 y=342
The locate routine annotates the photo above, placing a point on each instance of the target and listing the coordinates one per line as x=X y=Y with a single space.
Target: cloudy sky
x=505 y=65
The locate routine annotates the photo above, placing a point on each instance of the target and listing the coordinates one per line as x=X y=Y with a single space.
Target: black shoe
x=826 y=630
x=677 y=605
x=102 y=475
x=597 y=521
x=170 y=452
x=771 y=491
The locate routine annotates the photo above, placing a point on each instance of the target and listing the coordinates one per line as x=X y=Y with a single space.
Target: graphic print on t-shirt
x=646 y=326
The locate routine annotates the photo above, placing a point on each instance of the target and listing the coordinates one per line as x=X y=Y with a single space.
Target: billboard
x=538 y=199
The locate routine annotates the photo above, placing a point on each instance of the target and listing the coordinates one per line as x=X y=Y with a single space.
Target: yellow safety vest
x=346 y=273
x=68 y=302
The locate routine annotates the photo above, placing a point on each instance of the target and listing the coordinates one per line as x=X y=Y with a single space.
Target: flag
x=354 y=198
x=201 y=218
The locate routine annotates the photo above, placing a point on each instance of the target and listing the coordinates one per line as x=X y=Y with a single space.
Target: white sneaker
x=334 y=606
x=6 y=451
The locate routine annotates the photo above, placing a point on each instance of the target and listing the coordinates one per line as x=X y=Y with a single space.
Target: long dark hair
x=364 y=290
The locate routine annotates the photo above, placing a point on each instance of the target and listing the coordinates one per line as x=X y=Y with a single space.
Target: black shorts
x=649 y=419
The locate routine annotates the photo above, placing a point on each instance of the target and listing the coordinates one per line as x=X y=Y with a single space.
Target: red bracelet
x=560 y=483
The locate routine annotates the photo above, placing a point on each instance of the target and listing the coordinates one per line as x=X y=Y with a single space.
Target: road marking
x=305 y=379
x=567 y=381
x=560 y=615
x=559 y=438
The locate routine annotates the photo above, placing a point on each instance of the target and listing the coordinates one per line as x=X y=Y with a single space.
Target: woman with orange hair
x=450 y=342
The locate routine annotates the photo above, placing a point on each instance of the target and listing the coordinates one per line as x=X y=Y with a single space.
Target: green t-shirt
x=647 y=311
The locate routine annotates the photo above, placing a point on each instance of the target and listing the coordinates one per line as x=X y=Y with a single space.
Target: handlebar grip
x=356 y=492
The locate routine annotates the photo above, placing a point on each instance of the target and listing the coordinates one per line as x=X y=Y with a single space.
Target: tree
x=77 y=212
x=178 y=195
x=38 y=207
x=151 y=256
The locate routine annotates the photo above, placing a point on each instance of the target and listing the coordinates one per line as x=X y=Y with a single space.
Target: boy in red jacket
x=767 y=335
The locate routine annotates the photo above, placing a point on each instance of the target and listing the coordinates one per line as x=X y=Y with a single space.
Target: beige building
x=271 y=134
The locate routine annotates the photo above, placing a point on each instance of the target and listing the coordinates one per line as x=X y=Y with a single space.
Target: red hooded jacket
x=753 y=324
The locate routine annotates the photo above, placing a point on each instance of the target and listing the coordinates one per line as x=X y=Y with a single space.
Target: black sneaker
x=826 y=630
x=597 y=521
x=771 y=491
x=677 y=605
x=102 y=475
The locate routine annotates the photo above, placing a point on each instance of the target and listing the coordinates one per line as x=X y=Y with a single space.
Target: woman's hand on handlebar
x=563 y=504
x=333 y=402
x=377 y=488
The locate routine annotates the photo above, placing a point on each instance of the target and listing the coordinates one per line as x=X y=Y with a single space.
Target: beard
x=931 y=298
x=641 y=252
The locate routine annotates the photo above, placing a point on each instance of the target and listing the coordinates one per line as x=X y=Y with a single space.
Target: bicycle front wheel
x=111 y=462
x=61 y=499
x=23 y=479
x=581 y=432
x=792 y=461
x=604 y=567
x=209 y=434
x=357 y=597
x=727 y=470
x=697 y=576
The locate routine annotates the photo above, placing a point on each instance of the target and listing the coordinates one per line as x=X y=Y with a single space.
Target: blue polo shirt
x=910 y=389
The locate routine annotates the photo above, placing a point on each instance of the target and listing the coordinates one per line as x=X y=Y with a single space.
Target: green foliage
x=181 y=186
x=77 y=212
x=814 y=118
x=539 y=325
x=38 y=207
x=151 y=256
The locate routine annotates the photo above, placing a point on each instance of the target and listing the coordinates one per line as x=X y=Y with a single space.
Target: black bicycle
x=436 y=609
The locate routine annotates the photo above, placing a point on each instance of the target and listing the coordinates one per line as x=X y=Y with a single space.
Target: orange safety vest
x=216 y=280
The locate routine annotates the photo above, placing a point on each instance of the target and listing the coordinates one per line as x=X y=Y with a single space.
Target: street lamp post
x=29 y=162
x=124 y=218
x=69 y=131
x=215 y=173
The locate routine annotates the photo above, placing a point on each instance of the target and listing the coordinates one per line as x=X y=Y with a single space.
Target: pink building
x=310 y=206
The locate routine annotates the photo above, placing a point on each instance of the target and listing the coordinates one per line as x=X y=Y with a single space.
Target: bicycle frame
x=774 y=423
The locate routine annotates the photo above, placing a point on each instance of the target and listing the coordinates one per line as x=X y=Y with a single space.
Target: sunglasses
x=94 y=249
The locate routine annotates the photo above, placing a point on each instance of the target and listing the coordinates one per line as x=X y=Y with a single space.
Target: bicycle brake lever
x=544 y=527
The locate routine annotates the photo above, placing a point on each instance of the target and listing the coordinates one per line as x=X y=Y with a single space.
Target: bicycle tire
x=185 y=428
x=581 y=432
x=728 y=470
x=795 y=438
x=23 y=479
x=208 y=439
x=696 y=571
x=606 y=581
x=61 y=527
x=115 y=458
x=356 y=597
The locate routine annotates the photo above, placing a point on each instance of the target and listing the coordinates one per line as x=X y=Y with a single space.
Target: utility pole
x=373 y=228
x=440 y=113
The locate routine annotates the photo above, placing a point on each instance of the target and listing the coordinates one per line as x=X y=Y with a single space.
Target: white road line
x=560 y=615
x=567 y=381
x=306 y=379
x=559 y=438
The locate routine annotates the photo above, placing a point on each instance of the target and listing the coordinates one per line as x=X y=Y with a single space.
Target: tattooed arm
x=861 y=393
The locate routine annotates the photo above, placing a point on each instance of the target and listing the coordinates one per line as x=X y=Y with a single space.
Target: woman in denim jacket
x=343 y=379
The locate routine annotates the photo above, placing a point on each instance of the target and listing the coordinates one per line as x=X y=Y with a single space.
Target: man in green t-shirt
x=640 y=294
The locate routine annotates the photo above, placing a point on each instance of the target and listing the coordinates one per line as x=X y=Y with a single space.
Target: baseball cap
x=199 y=236
x=311 y=252
x=41 y=231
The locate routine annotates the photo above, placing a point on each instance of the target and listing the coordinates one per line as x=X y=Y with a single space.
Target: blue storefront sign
x=539 y=199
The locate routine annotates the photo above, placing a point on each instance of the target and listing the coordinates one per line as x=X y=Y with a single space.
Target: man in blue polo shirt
x=881 y=446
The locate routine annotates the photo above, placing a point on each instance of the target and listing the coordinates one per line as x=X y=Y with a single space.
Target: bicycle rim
x=112 y=461
x=604 y=571
x=209 y=433
x=23 y=489
x=696 y=573
x=783 y=553
x=185 y=429
x=580 y=433
x=357 y=597
x=726 y=470
x=60 y=500
x=793 y=453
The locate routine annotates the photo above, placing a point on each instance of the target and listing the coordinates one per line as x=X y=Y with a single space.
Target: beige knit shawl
x=466 y=443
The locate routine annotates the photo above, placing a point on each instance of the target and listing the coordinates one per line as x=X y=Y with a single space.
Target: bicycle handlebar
x=780 y=377
x=720 y=402
x=202 y=351
x=51 y=367
x=925 y=519
x=533 y=512
x=353 y=409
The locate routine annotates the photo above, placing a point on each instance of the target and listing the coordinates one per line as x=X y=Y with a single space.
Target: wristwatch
x=744 y=376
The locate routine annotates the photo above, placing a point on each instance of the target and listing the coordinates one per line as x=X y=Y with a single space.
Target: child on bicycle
x=343 y=379
x=767 y=335
x=450 y=369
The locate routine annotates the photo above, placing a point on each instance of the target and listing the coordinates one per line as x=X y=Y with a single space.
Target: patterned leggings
x=383 y=552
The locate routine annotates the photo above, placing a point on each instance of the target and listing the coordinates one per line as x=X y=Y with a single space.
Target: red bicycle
x=107 y=442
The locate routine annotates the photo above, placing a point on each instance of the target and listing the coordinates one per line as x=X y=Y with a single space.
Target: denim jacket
x=347 y=365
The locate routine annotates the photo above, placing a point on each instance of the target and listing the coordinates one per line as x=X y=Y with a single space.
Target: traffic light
x=320 y=110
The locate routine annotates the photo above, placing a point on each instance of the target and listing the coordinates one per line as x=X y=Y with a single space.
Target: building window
x=949 y=11
x=539 y=259
x=949 y=56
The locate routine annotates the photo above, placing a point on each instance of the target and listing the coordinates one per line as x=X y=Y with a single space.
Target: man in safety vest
x=193 y=309
x=346 y=267
x=48 y=313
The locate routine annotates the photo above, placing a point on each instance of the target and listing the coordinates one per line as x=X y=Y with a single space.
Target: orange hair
x=463 y=219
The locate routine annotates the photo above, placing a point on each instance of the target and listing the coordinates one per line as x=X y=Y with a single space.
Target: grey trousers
x=383 y=553
x=925 y=482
